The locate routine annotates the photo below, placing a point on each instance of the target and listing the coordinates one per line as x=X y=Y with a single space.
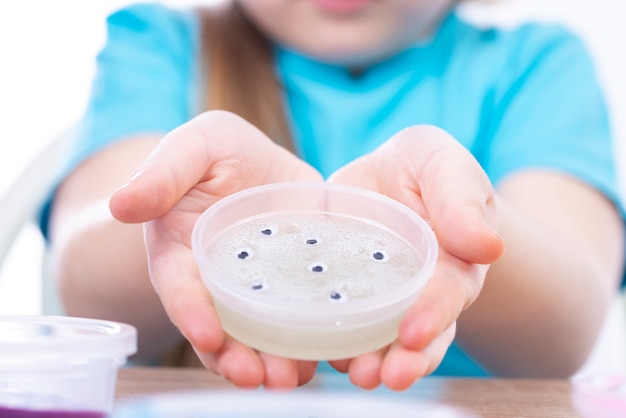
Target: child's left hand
x=430 y=172
x=212 y=156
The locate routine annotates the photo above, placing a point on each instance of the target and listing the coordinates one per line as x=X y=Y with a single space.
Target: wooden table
x=498 y=398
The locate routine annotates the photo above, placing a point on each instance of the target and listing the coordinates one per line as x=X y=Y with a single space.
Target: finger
x=457 y=193
x=286 y=373
x=402 y=367
x=218 y=149
x=365 y=369
x=360 y=172
x=306 y=371
x=177 y=164
x=279 y=372
x=454 y=285
x=340 y=365
x=175 y=278
x=426 y=169
x=236 y=362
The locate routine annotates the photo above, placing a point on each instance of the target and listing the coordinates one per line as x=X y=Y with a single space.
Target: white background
x=47 y=61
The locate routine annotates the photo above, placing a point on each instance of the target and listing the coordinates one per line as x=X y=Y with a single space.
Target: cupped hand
x=212 y=156
x=431 y=173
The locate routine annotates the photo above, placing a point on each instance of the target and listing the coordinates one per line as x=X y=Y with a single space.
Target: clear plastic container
x=313 y=271
x=54 y=366
x=266 y=404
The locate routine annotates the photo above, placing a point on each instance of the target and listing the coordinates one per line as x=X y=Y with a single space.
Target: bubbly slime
x=319 y=261
x=313 y=257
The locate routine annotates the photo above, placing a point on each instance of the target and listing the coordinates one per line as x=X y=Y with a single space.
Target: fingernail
x=134 y=177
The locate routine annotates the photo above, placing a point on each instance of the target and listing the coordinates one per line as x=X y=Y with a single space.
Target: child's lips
x=341 y=6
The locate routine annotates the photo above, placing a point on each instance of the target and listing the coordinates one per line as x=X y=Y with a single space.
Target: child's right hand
x=430 y=172
x=212 y=156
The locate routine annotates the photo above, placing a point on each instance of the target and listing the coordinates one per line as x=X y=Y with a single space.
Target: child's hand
x=212 y=156
x=430 y=172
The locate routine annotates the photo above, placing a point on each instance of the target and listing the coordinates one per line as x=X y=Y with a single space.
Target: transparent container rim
x=101 y=339
x=296 y=307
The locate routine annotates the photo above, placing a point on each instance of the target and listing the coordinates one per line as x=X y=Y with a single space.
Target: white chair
x=609 y=353
x=21 y=203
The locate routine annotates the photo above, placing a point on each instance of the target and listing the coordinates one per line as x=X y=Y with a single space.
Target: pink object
x=342 y=6
x=600 y=395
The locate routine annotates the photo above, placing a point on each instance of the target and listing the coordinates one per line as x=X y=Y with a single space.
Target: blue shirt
x=517 y=99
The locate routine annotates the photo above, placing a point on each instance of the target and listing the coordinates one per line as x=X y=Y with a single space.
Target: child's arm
x=104 y=271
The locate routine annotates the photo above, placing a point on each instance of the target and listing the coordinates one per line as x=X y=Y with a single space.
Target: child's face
x=348 y=32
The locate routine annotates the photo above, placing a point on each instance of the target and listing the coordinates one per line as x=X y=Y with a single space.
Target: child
x=493 y=136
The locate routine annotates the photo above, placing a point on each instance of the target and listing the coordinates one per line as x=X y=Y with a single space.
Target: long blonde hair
x=241 y=78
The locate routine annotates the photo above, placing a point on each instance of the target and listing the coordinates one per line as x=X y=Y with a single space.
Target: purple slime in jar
x=6 y=412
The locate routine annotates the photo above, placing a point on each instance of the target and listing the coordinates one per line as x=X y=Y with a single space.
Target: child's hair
x=242 y=78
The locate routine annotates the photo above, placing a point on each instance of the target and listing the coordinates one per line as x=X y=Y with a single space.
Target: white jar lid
x=39 y=341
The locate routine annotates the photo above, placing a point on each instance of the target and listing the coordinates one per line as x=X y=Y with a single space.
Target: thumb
x=461 y=203
x=432 y=173
x=218 y=153
x=171 y=169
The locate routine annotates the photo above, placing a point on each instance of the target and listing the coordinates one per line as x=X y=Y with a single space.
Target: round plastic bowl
x=53 y=366
x=313 y=270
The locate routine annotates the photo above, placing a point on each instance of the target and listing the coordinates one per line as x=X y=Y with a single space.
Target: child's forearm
x=101 y=271
x=100 y=264
x=544 y=301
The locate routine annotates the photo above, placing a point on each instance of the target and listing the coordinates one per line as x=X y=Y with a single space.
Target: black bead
x=335 y=296
x=378 y=255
